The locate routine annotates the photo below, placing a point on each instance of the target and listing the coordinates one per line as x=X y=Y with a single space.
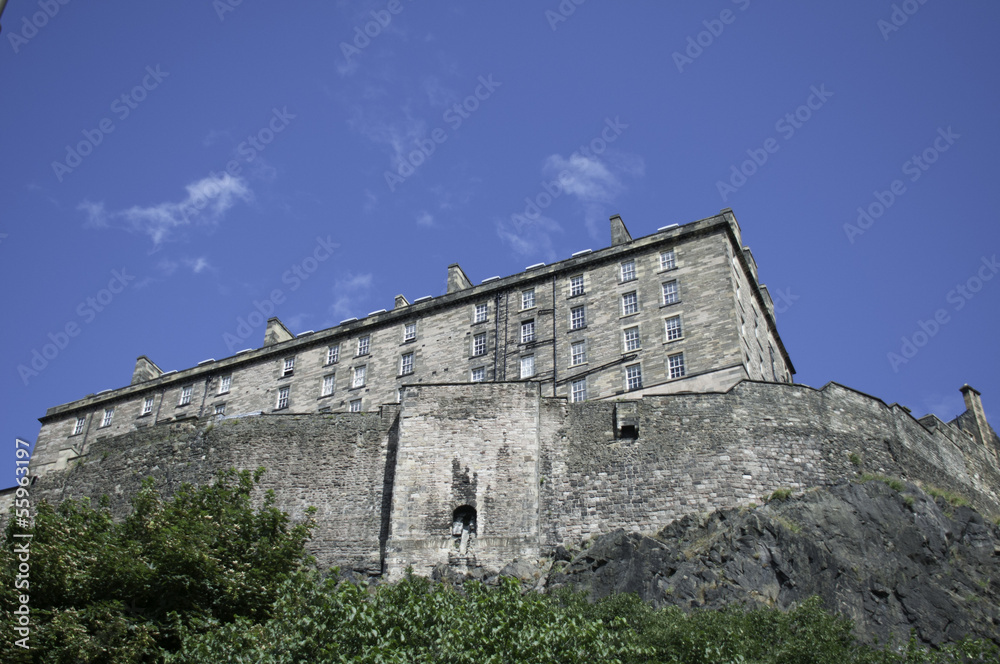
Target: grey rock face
x=889 y=560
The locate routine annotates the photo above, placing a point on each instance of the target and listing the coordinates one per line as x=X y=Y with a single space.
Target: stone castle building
x=619 y=388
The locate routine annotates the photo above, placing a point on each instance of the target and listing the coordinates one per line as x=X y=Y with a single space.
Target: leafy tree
x=116 y=592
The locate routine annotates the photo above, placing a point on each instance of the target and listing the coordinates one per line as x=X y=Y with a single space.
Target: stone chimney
x=145 y=370
x=276 y=332
x=400 y=302
x=619 y=234
x=456 y=279
x=974 y=406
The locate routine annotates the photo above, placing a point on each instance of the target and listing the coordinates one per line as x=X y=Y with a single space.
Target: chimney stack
x=974 y=406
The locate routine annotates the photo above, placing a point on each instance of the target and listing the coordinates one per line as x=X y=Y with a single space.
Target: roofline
x=723 y=220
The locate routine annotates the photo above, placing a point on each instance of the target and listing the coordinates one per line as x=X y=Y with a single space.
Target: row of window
x=284 y=396
x=633 y=377
x=627 y=272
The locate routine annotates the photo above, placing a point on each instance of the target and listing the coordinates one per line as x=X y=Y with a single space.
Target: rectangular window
x=527 y=331
x=632 y=338
x=667 y=260
x=355 y=406
x=577 y=318
x=186 y=395
x=630 y=304
x=576 y=285
x=628 y=270
x=333 y=354
x=283 y=397
x=409 y=332
x=78 y=427
x=224 y=384
x=359 y=377
x=479 y=344
x=406 y=364
x=675 y=365
x=670 y=293
x=147 y=405
x=108 y=414
x=482 y=312
x=579 y=390
x=288 y=368
x=364 y=344
x=220 y=409
x=528 y=366
x=328 y=382
x=578 y=353
x=633 y=377
x=673 y=328
x=479 y=374
x=528 y=298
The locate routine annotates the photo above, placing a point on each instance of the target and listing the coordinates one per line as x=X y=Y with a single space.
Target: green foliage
x=953 y=499
x=323 y=621
x=106 y=591
x=778 y=495
x=894 y=484
x=320 y=620
x=854 y=459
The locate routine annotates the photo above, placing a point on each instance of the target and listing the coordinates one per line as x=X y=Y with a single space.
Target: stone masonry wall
x=539 y=471
x=334 y=462
x=465 y=447
x=699 y=452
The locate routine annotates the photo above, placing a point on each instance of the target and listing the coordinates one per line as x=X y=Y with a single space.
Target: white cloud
x=594 y=183
x=197 y=265
x=348 y=292
x=399 y=135
x=425 y=219
x=207 y=202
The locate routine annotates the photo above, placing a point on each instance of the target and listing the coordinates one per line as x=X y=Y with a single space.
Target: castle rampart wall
x=538 y=471
x=699 y=452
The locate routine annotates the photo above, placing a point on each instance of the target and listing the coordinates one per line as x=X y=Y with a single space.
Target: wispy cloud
x=349 y=292
x=425 y=219
x=398 y=134
x=207 y=202
x=593 y=183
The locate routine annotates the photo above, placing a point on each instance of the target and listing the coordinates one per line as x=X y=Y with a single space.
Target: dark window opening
x=463 y=527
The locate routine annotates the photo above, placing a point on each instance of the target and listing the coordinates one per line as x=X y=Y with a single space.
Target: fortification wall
x=461 y=447
x=537 y=471
x=699 y=452
x=333 y=462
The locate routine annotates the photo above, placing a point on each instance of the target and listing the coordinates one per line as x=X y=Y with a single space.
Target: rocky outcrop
x=891 y=559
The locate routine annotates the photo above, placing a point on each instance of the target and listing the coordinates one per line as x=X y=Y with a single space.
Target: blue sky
x=190 y=154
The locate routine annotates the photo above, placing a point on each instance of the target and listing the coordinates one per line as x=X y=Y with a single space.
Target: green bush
x=106 y=591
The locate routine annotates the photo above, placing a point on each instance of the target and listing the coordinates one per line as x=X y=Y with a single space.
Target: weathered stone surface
x=889 y=560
